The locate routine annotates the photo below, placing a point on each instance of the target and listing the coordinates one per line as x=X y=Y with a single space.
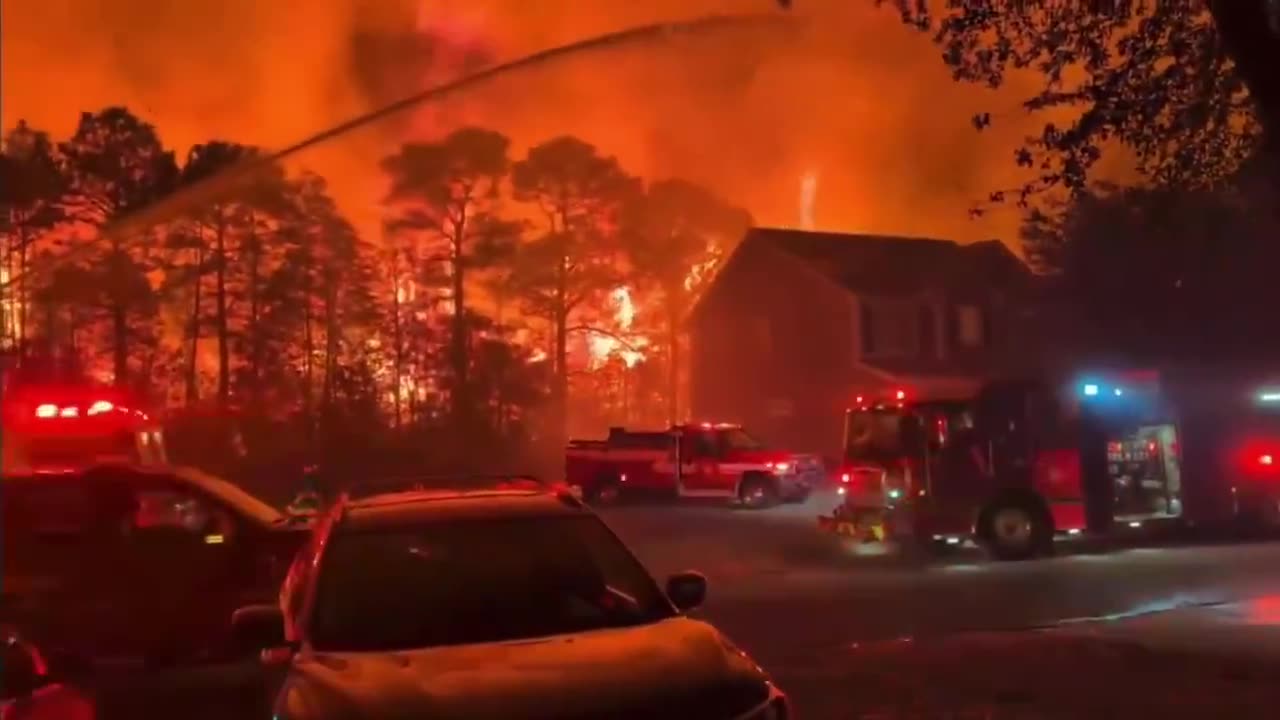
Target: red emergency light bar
x=48 y=411
x=897 y=395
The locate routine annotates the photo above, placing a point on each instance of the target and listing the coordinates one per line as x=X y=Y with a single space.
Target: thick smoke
x=852 y=96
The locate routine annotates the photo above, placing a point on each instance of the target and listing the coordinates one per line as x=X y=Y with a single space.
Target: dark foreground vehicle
x=122 y=564
x=503 y=603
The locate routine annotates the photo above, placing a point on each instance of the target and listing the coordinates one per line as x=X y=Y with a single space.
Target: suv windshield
x=478 y=580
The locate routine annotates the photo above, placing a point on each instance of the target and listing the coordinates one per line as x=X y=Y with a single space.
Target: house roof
x=885 y=263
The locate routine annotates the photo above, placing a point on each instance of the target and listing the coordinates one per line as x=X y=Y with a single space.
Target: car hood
x=674 y=668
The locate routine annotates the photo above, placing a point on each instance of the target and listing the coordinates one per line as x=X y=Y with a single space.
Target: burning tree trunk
x=253 y=280
x=397 y=339
x=674 y=315
x=308 y=342
x=561 y=310
x=331 y=337
x=220 y=309
x=193 y=327
x=459 y=343
x=20 y=297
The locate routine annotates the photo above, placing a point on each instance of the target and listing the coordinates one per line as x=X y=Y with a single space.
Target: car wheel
x=606 y=490
x=757 y=492
x=1016 y=530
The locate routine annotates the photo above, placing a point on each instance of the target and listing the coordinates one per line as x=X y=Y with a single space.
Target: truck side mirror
x=687 y=590
x=258 y=627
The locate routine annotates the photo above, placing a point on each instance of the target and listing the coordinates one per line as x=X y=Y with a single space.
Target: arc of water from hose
x=192 y=194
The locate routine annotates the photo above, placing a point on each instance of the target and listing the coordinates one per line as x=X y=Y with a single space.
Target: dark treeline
x=1152 y=274
x=503 y=302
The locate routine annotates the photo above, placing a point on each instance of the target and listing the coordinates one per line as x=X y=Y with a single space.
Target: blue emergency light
x=1093 y=390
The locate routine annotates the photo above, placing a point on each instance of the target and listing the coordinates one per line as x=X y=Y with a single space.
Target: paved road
x=797 y=599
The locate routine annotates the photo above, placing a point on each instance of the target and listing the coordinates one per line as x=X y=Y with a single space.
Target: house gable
x=756 y=260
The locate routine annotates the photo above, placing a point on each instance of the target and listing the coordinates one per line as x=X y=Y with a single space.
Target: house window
x=928 y=332
x=889 y=329
x=971 y=326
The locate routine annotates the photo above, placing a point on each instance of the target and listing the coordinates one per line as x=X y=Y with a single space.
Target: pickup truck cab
x=702 y=461
x=127 y=565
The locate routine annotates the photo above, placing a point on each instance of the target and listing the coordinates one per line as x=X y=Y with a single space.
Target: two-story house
x=797 y=324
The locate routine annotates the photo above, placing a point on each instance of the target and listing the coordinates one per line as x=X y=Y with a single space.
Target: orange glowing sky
x=855 y=97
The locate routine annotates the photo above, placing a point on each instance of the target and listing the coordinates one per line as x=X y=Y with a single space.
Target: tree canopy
x=1188 y=85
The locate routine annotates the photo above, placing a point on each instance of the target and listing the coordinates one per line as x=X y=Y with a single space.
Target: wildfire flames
x=624 y=345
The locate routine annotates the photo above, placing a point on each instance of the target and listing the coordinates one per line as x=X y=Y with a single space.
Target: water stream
x=193 y=195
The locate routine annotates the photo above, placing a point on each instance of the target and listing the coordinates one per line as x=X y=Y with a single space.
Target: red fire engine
x=50 y=428
x=1020 y=462
x=706 y=460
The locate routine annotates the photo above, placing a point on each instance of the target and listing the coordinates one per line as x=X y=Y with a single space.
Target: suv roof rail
x=460 y=482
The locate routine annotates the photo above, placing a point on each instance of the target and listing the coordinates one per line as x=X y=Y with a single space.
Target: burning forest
x=514 y=299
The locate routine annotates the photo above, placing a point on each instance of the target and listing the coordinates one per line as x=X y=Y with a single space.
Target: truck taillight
x=1266 y=460
x=844 y=478
x=101 y=406
x=47 y=411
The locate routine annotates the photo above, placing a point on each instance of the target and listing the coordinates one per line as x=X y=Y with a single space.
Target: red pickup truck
x=715 y=461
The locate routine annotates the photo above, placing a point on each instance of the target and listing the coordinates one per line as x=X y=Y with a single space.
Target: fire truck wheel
x=758 y=491
x=1016 y=528
x=606 y=490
